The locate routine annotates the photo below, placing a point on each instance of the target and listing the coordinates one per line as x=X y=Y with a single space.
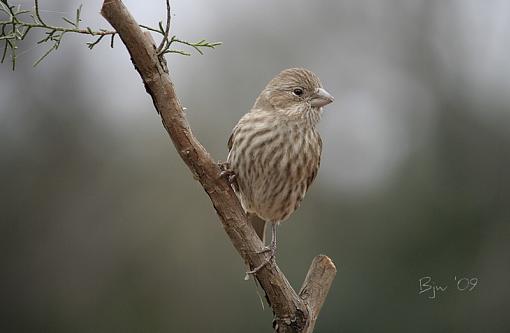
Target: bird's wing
x=258 y=224
x=312 y=176
x=234 y=131
x=233 y=134
x=231 y=139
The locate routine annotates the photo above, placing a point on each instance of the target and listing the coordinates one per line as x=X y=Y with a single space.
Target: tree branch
x=293 y=313
x=316 y=286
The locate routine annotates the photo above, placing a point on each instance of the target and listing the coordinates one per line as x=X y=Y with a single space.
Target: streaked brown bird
x=275 y=150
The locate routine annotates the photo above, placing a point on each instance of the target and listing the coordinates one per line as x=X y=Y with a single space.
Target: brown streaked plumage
x=275 y=149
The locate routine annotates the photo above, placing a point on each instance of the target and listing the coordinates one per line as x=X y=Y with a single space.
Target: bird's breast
x=274 y=164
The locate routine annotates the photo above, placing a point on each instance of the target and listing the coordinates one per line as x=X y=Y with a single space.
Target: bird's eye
x=297 y=91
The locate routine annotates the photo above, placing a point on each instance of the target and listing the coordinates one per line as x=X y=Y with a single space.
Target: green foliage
x=16 y=23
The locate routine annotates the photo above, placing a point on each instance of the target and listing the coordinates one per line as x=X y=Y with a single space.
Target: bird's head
x=294 y=91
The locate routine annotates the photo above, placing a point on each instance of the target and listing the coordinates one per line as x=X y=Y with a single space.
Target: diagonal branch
x=293 y=312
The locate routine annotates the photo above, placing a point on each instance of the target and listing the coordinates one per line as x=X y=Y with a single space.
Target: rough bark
x=293 y=312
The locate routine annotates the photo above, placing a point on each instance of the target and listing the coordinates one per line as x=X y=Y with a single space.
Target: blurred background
x=103 y=229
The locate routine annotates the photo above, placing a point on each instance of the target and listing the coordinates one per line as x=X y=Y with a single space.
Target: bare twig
x=37 y=12
x=167 y=28
x=293 y=312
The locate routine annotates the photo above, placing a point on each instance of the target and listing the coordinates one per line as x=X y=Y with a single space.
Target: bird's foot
x=265 y=250
x=271 y=260
x=228 y=174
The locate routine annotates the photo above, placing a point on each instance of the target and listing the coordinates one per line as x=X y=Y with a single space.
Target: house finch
x=275 y=150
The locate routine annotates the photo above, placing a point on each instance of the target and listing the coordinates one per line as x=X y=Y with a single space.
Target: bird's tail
x=259 y=225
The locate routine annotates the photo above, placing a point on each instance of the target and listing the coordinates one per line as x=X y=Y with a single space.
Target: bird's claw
x=271 y=260
x=264 y=250
x=228 y=174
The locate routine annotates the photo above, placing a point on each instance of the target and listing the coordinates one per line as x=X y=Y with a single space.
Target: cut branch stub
x=292 y=312
x=316 y=286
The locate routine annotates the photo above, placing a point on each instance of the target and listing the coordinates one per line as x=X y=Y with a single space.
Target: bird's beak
x=320 y=98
